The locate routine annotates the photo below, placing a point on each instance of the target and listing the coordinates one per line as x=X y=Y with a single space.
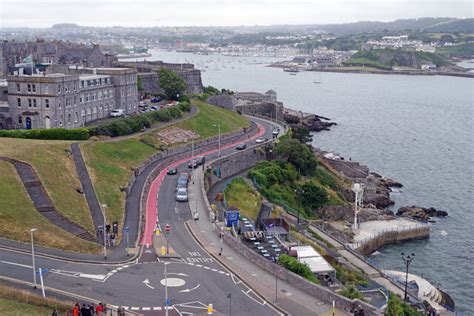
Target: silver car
x=182 y=195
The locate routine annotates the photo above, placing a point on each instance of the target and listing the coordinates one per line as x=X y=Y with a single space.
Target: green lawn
x=240 y=194
x=210 y=115
x=14 y=308
x=18 y=216
x=110 y=166
x=55 y=167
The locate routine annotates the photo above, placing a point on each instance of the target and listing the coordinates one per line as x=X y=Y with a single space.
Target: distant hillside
x=465 y=50
x=386 y=58
x=460 y=26
x=422 y=24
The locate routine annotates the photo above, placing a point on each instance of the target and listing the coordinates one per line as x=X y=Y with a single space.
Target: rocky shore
x=420 y=213
x=312 y=122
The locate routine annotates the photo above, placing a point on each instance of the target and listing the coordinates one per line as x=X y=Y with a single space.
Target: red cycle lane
x=151 y=219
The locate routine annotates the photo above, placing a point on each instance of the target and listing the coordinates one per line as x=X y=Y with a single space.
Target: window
x=46 y=88
x=76 y=117
x=17 y=87
x=59 y=104
x=60 y=120
x=29 y=87
x=80 y=99
x=82 y=84
x=34 y=88
x=34 y=103
x=20 y=120
x=69 y=118
x=59 y=88
x=29 y=103
x=46 y=103
x=18 y=101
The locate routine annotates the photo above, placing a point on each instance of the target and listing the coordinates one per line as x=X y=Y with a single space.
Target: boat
x=133 y=55
x=291 y=69
x=316 y=81
x=292 y=74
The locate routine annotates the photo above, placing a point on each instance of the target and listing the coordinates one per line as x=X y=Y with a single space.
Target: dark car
x=200 y=160
x=241 y=146
x=193 y=163
x=172 y=171
x=155 y=100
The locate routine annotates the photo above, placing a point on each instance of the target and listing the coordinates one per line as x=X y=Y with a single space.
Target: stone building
x=148 y=73
x=51 y=52
x=71 y=99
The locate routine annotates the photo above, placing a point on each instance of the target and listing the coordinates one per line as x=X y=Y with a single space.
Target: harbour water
x=414 y=129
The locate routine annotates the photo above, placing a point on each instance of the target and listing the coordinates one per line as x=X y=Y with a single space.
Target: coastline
x=382 y=72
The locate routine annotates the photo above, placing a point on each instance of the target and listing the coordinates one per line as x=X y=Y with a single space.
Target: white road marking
x=207 y=268
x=125 y=307
x=92 y=276
x=247 y=293
x=146 y=308
x=157 y=308
x=215 y=270
x=147 y=283
x=17 y=264
x=221 y=272
x=190 y=290
x=134 y=308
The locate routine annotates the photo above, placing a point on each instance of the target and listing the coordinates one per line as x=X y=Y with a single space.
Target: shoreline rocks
x=420 y=213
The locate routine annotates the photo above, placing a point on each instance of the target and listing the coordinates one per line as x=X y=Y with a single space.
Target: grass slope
x=18 y=216
x=55 y=168
x=241 y=195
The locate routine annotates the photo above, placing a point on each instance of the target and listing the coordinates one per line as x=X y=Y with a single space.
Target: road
x=194 y=279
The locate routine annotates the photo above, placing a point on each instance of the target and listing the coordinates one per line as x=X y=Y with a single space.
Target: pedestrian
x=361 y=311
x=76 y=311
x=91 y=309
x=54 y=313
x=84 y=310
x=220 y=252
x=98 y=309
x=112 y=239
x=107 y=228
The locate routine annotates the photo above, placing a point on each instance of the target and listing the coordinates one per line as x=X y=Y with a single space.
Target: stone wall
x=226 y=101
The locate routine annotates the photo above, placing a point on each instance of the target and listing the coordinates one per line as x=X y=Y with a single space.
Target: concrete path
x=42 y=202
x=290 y=299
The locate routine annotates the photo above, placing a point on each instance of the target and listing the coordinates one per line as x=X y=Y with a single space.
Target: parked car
x=275 y=132
x=172 y=171
x=260 y=140
x=155 y=108
x=142 y=104
x=155 y=100
x=182 y=181
x=241 y=146
x=117 y=113
x=182 y=195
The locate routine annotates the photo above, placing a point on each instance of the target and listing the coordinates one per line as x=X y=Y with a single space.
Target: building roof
x=317 y=264
x=305 y=251
x=92 y=77
x=271 y=91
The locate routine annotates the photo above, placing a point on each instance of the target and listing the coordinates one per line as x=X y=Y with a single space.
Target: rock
x=383 y=201
x=335 y=213
x=373 y=214
x=422 y=213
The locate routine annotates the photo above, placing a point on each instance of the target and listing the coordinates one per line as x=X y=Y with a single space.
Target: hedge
x=297 y=267
x=52 y=133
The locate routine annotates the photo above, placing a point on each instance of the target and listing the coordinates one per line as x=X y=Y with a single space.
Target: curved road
x=194 y=279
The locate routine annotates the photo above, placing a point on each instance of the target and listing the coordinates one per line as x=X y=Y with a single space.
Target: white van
x=117 y=113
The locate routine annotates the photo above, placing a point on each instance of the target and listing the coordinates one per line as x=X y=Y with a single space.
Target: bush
x=50 y=134
x=174 y=112
x=297 y=267
x=184 y=106
x=396 y=307
x=184 y=98
x=351 y=292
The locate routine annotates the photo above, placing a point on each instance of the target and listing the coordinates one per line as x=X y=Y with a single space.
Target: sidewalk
x=290 y=299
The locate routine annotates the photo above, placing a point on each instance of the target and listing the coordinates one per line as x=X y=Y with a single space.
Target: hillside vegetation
x=386 y=58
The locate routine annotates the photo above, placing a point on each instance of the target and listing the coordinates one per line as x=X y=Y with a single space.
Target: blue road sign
x=168 y=302
x=43 y=271
x=126 y=229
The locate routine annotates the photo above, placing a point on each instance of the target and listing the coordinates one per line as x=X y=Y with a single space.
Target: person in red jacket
x=98 y=309
x=76 y=310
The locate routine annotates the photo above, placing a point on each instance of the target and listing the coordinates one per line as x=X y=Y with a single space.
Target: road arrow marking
x=179 y=274
x=147 y=283
x=190 y=290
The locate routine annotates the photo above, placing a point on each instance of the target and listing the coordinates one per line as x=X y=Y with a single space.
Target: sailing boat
x=316 y=80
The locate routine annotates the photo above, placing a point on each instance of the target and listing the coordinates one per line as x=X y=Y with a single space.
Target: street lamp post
x=407 y=260
x=229 y=296
x=33 y=255
x=219 y=138
x=104 y=231
x=166 y=289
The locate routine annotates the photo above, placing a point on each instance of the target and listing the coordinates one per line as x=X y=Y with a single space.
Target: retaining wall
x=390 y=237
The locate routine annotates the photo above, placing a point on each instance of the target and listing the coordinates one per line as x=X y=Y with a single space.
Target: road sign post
x=41 y=272
x=167 y=232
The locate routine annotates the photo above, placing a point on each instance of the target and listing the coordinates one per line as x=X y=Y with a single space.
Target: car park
x=260 y=140
x=241 y=146
x=172 y=171
x=182 y=195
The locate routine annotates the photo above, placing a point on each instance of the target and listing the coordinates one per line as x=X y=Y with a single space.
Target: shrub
x=184 y=106
x=174 y=112
x=350 y=291
x=396 y=307
x=184 y=98
x=50 y=134
x=297 y=267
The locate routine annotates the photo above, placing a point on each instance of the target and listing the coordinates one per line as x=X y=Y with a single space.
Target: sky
x=148 y=13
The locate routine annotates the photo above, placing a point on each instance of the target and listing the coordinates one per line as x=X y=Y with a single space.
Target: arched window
x=69 y=118
x=61 y=118
x=20 y=119
x=76 y=117
x=83 y=112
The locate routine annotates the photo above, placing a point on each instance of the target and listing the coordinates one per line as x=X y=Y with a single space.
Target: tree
x=299 y=155
x=302 y=134
x=171 y=83
x=313 y=196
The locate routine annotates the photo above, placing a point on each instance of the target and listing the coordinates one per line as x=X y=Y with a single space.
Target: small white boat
x=316 y=81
